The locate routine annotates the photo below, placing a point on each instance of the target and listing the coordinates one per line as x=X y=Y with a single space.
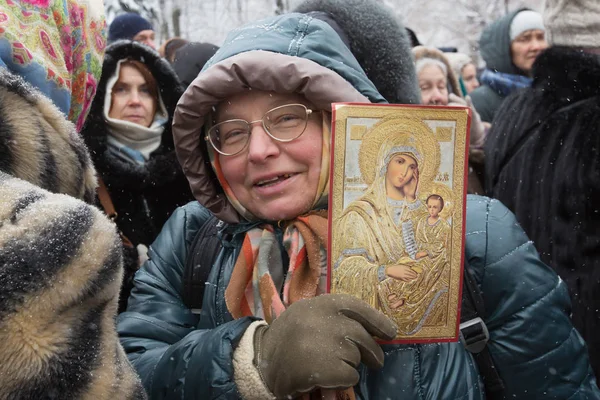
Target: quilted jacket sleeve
x=158 y=332
x=533 y=343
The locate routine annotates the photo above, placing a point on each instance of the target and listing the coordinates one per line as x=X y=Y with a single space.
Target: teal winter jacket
x=180 y=355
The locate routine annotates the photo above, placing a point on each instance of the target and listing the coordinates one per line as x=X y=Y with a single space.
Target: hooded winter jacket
x=494 y=46
x=179 y=354
x=60 y=261
x=144 y=195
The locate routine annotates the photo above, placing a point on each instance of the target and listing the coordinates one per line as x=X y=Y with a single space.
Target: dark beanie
x=190 y=59
x=126 y=26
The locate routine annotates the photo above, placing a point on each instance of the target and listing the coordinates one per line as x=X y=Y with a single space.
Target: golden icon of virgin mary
x=380 y=257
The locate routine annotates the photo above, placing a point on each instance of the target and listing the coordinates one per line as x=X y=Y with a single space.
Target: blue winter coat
x=180 y=355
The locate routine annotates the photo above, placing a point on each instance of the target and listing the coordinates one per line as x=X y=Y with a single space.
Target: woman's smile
x=275 y=185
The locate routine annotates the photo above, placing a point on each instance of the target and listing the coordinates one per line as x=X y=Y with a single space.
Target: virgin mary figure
x=375 y=251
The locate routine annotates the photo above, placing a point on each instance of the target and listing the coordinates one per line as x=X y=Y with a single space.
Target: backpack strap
x=201 y=255
x=474 y=335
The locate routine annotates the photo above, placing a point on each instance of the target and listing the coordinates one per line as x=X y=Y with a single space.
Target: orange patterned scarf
x=257 y=287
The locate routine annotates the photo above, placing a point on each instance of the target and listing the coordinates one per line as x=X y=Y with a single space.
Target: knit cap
x=126 y=26
x=525 y=21
x=573 y=23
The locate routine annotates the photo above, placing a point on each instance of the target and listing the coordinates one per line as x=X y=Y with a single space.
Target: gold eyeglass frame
x=262 y=121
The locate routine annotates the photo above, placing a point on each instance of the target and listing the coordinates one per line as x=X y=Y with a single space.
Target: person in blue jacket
x=252 y=136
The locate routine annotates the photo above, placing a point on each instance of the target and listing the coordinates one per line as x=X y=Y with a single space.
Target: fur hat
x=126 y=26
x=573 y=23
x=377 y=39
x=39 y=145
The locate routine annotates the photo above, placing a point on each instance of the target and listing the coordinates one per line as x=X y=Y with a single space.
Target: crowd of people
x=120 y=185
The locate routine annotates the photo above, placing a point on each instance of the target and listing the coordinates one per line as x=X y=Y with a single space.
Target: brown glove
x=319 y=343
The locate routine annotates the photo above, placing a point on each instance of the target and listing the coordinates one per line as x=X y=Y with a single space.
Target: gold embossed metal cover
x=397 y=213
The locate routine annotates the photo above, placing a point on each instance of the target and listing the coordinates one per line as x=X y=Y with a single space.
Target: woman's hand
x=421 y=254
x=410 y=189
x=401 y=272
x=318 y=354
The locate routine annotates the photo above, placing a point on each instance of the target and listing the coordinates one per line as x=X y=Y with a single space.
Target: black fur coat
x=543 y=162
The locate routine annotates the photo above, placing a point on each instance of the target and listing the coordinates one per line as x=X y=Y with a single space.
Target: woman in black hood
x=128 y=132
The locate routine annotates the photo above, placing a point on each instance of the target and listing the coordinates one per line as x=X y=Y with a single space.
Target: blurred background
x=440 y=23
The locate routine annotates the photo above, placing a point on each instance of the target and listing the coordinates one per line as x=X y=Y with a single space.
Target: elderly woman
x=252 y=135
x=509 y=46
x=129 y=136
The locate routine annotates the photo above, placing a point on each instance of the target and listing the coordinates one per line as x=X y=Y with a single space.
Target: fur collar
x=566 y=74
x=162 y=168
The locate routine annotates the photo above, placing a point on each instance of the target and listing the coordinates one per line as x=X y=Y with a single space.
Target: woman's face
x=434 y=86
x=401 y=169
x=469 y=76
x=526 y=47
x=271 y=179
x=131 y=98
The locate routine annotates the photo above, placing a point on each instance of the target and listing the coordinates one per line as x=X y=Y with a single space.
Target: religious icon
x=397 y=213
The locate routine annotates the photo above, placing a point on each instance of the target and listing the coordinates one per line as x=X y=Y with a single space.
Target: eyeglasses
x=283 y=123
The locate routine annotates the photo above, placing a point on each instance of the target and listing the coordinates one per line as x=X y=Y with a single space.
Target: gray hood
x=494 y=45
